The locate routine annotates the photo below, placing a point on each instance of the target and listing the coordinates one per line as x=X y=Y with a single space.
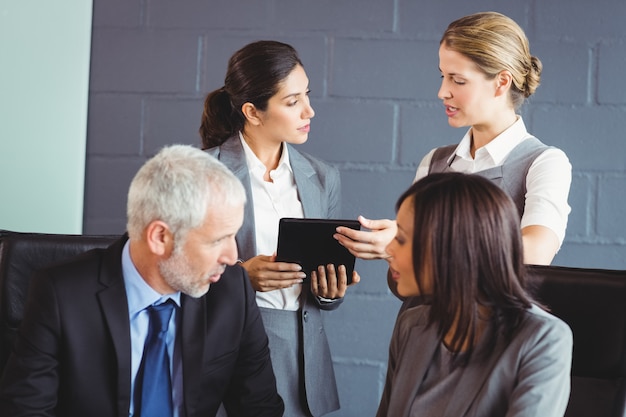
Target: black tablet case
x=310 y=243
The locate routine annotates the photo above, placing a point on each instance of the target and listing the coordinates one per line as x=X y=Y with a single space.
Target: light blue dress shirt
x=140 y=296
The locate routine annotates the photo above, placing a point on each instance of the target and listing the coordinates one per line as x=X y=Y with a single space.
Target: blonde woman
x=487 y=72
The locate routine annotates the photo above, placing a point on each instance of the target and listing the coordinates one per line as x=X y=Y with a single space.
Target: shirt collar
x=499 y=148
x=139 y=294
x=255 y=164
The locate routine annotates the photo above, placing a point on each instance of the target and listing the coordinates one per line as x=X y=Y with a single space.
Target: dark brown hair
x=467 y=240
x=253 y=76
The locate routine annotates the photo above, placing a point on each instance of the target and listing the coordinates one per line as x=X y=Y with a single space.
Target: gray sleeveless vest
x=510 y=176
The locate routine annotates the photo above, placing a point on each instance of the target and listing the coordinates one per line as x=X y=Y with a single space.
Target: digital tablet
x=310 y=243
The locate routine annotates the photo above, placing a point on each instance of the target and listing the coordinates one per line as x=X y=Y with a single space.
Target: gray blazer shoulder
x=526 y=376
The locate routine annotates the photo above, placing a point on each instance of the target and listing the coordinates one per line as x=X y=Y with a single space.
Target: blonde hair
x=494 y=42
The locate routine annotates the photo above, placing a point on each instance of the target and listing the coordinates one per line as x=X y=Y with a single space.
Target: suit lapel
x=472 y=381
x=415 y=359
x=192 y=344
x=114 y=306
x=306 y=182
x=233 y=156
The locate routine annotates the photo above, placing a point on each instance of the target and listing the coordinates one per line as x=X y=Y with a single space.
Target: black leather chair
x=21 y=254
x=593 y=303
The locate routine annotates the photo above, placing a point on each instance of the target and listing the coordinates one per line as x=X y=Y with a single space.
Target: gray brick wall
x=374 y=80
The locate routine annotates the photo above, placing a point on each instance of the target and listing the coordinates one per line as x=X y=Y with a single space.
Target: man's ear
x=251 y=113
x=504 y=80
x=159 y=238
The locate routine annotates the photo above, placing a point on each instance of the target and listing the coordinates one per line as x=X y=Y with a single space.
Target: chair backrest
x=593 y=303
x=21 y=254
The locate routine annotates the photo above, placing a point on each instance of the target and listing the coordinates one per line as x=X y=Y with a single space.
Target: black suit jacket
x=72 y=354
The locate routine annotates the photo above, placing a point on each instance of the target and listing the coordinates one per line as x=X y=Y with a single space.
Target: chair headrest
x=21 y=254
x=593 y=303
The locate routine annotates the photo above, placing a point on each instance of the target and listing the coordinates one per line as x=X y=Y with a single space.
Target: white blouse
x=272 y=201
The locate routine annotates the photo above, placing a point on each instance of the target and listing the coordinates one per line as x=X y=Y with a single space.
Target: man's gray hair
x=177 y=186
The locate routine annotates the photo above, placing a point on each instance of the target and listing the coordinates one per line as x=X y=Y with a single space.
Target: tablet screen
x=310 y=243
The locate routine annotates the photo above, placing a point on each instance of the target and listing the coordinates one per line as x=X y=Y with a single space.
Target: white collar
x=255 y=164
x=499 y=147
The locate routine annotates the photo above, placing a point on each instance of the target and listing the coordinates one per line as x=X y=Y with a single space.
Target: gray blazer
x=319 y=190
x=528 y=376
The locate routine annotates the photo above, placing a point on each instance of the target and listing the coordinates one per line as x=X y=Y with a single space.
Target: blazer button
x=306 y=316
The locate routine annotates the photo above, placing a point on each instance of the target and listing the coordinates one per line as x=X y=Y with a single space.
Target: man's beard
x=176 y=271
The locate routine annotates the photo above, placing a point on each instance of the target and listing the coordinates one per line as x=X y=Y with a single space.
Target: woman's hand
x=368 y=244
x=326 y=284
x=266 y=274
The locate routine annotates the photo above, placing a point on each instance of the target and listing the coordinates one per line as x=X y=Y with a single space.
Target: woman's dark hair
x=253 y=76
x=467 y=241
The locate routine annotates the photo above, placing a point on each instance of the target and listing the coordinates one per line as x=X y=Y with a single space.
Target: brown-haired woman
x=250 y=124
x=479 y=346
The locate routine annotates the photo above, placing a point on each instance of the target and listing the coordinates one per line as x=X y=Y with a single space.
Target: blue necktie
x=156 y=385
